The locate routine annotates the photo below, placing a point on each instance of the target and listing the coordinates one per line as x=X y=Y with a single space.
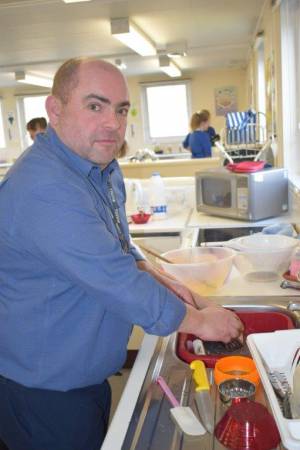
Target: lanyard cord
x=115 y=215
x=113 y=209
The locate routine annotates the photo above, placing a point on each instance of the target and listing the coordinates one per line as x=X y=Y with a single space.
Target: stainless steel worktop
x=151 y=427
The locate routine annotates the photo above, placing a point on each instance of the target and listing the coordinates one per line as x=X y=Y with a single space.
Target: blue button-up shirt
x=69 y=294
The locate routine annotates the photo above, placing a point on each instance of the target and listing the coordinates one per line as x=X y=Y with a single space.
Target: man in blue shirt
x=72 y=284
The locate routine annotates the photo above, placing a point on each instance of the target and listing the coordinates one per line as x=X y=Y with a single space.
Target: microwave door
x=217 y=192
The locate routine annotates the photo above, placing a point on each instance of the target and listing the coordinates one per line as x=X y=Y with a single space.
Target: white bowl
x=203 y=270
x=264 y=257
x=265 y=243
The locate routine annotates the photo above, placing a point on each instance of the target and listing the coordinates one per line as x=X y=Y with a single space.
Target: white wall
x=9 y=97
x=270 y=26
x=203 y=84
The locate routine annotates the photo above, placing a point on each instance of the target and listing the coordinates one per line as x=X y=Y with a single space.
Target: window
x=261 y=88
x=2 y=136
x=290 y=51
x=30 y=107
x=162 y=121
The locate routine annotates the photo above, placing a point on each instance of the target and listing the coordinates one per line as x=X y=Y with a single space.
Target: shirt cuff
x=136 y=252
x=172 y=314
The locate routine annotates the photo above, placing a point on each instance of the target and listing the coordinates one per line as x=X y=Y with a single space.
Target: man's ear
x=53 y=108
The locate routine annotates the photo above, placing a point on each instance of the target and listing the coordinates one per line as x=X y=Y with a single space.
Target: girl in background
x=198 y=141
x=210 y=130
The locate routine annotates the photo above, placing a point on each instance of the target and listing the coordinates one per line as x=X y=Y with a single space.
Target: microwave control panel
x=242 y=199
x=242 y=194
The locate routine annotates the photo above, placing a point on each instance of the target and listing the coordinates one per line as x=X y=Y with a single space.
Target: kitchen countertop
x=234 y=287
x=176 y=222
x=180 y=161
x=168 y=167
x=199 y=219
x=120 y=422
x=237 y=286
x=150 y=426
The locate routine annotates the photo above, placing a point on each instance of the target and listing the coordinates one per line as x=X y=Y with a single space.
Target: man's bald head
x=88 y=108
x=66 y=78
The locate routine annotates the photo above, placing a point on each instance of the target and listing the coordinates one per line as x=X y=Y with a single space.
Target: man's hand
x=176 y=286
x=212 y=324
x=204 y=318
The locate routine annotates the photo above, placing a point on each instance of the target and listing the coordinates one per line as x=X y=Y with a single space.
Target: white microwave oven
x=244 y=196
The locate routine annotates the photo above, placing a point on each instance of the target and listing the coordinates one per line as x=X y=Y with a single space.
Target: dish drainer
x=244 y=137
x=274 y=353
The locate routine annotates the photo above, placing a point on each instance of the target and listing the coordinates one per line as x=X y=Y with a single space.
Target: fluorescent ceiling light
x=130 y=35
x=75 y=1
x=36 y=80
x=168 y=66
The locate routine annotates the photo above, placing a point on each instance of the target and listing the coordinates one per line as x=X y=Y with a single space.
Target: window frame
x=290 y=47
x=145 y=112
x=21 y=115
x=261 y=89
x=2 y=120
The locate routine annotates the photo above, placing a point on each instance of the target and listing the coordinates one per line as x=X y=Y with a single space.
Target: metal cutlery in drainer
x=283 y=391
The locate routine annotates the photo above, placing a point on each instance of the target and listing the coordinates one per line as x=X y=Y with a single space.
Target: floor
x=117 y=383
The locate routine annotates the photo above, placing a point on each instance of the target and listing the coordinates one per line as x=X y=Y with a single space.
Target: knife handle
x=200 y=375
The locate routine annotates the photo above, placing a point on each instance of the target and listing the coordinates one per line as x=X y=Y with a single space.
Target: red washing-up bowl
x=254 y=322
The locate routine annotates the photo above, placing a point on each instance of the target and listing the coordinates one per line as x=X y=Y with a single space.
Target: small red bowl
x=140 y=218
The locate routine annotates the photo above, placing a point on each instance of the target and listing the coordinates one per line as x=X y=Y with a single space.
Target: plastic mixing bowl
x=265 y=242
x=201 y=269
x=263 y=257
x=247 y=425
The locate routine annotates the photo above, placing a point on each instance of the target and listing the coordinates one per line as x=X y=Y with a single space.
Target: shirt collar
x=85 y=166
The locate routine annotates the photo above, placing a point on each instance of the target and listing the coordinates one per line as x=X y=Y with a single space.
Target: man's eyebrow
x=105 y=100
x=122 y=104
x=98 y=97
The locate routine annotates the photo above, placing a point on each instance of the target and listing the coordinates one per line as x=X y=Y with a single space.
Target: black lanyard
x=113 y=208
x=115 y=215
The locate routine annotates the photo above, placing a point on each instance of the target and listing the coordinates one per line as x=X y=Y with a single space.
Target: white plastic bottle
x=157 y=197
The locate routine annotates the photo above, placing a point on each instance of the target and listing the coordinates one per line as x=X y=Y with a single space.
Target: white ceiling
x=37 y=35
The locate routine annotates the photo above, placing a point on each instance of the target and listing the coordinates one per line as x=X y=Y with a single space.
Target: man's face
x=93 y=121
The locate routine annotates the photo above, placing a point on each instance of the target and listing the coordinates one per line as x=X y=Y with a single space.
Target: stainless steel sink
x=151 y=427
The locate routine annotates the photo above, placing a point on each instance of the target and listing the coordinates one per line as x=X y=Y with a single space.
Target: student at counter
x=72 y=284
x=198 y=141
x=210 y=130
x=35 y=126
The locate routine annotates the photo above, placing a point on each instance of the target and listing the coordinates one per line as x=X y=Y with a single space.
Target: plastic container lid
x=246 y=166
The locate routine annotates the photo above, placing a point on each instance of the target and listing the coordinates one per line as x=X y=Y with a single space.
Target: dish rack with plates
x=276 y=356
